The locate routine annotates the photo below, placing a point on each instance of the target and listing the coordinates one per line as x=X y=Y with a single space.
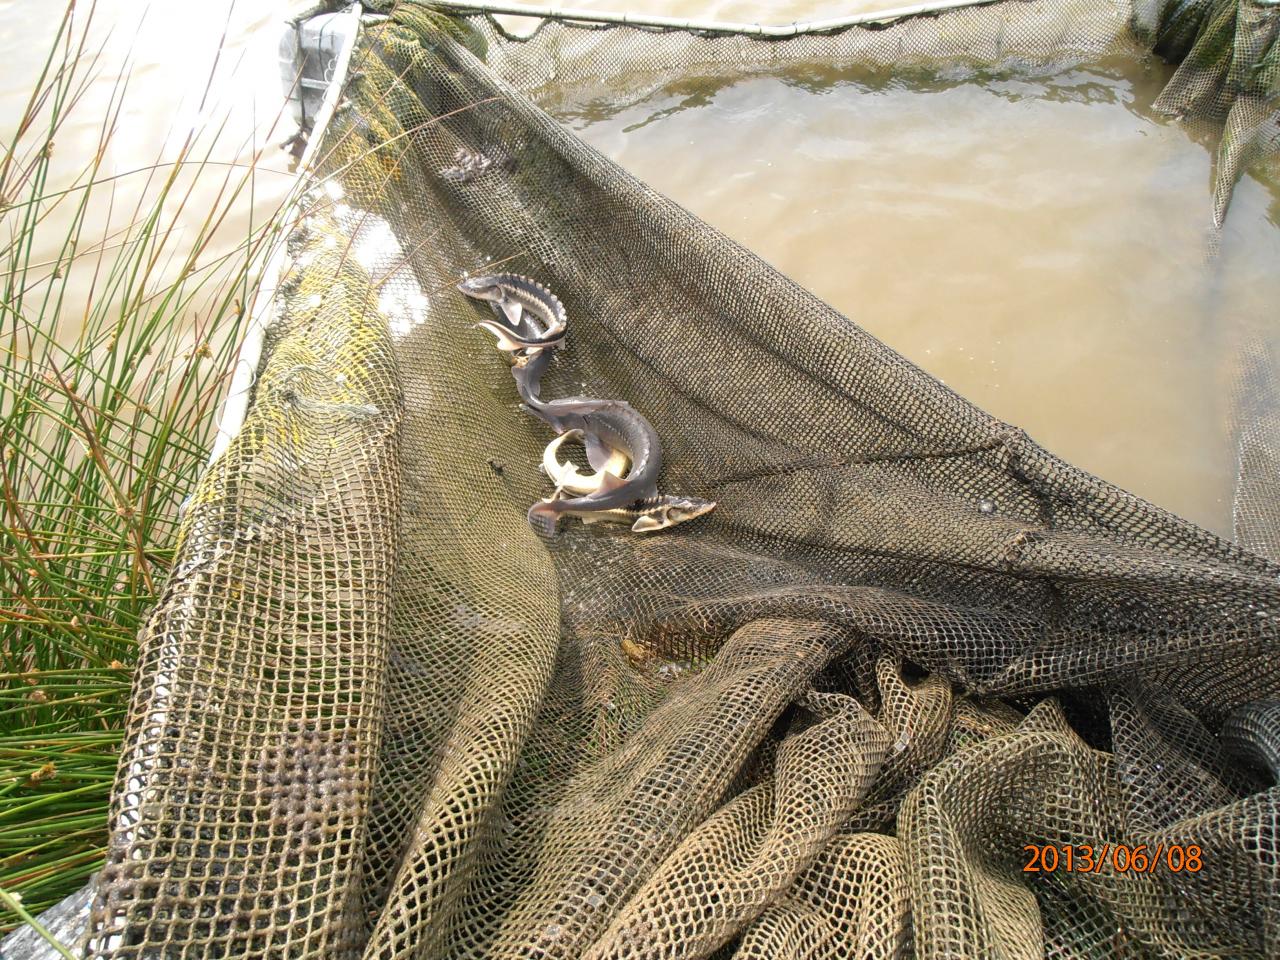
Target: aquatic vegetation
x=113 y=358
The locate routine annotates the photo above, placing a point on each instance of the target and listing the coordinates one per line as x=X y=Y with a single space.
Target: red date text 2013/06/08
x=1119 y=857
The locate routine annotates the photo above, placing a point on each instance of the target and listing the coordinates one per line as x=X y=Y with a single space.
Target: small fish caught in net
x=915 y=686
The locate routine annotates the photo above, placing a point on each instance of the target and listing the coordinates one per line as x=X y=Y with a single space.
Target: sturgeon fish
x=531 y=324
x=529 y=316
x=565 y=475
x=645 y=516
x=609 y=426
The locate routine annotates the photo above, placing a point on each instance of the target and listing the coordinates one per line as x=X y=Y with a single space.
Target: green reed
x=107 y=409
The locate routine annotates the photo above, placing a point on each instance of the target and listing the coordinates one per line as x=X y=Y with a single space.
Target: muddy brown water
x=1037 y=240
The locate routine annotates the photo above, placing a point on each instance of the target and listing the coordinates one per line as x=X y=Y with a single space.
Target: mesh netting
x=377 y=715
x=1229 y=75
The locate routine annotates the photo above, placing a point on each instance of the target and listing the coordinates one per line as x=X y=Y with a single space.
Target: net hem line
x=576 y=16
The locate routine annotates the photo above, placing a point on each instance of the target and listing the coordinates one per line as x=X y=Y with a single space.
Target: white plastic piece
x=310 y=51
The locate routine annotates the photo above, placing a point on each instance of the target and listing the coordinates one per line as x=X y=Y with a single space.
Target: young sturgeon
x=610 y=426
x=645 y=516
x=529 y=316
x=565 y=475
x=535 y=324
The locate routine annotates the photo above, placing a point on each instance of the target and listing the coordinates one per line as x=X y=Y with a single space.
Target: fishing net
x=1229 y=77
x=377 y=715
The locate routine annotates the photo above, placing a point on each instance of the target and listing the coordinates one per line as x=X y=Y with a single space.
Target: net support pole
x=236 y=406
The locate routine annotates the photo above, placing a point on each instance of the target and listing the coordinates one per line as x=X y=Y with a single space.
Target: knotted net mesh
x=377 y=715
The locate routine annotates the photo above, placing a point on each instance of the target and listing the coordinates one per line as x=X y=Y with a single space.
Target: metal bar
x=236 y=405
x=705 y=26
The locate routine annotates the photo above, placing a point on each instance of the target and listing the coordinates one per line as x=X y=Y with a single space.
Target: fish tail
x=544 y=518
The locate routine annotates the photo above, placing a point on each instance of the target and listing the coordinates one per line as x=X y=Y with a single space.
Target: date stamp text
x=1121 y=858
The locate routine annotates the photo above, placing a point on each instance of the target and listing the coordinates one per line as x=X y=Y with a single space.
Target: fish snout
x=476 y=286
x=675 y=511
x=691 y=508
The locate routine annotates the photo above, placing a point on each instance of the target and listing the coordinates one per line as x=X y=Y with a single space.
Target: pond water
x=156 y=77
x=1038 y=242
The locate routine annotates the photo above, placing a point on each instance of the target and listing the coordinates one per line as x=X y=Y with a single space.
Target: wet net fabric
x=377 y=716
x=1228 y=77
